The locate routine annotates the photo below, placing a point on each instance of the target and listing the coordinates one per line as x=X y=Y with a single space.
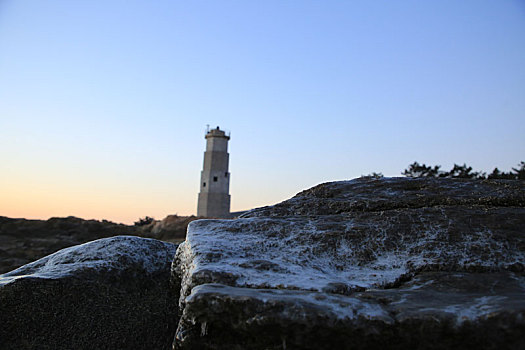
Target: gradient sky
x=103 y=104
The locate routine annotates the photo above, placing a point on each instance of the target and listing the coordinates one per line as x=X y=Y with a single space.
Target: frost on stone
x=341 y=255
x=114 y=254
x=112 y=293
x=356 y=259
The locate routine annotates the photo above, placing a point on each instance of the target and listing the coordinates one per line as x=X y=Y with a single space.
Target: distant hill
x=23 y=241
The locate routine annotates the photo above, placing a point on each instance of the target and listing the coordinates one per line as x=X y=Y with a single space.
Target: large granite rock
x=393 y=263
x=112 y=293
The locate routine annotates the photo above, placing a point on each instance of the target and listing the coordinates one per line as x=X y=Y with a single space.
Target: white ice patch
x=115 y=253
x=295 y=265
x=298 y=253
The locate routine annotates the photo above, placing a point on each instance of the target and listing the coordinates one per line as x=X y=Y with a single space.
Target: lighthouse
x=214 y=197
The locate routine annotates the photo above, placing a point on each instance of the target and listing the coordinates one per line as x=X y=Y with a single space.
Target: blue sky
x=103 y=104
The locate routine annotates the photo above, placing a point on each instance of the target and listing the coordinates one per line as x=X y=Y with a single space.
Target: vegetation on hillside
x=458 y=171
x=463 y=171
x=144 y=221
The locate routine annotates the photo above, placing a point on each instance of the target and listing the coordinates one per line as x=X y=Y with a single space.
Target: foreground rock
x=112 y=293
x=364 y=264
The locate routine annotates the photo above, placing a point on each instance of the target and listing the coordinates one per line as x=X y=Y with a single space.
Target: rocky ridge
x=390 y=263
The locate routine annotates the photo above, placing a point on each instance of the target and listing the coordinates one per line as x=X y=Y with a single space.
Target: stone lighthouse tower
x=214 y=197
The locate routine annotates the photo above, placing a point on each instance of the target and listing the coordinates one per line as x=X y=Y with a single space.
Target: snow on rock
x=112 y=293
x=392 y=246
x=347 y=253
x=106 y=254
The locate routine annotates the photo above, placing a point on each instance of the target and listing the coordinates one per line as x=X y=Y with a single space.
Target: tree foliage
x=144 y=221
x=421 y=170
x=463 y=171
x=520 y=172
x=374 y=175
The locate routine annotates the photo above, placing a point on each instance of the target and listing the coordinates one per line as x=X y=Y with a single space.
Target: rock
x=171 y=228
x=112 y=293
x=368 y=194
x=392 y=263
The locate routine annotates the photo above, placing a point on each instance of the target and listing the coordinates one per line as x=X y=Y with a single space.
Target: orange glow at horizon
x=46 y=202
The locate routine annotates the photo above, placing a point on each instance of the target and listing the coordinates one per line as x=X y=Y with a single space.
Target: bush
x=144 y=221
x=463 y=172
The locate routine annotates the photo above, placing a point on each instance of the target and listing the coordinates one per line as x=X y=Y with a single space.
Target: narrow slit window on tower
x=204 y=184
x=226 y=174
x=215 y=179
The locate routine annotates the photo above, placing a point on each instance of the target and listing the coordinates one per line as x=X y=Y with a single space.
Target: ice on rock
x=106 y=254
x=360 y=264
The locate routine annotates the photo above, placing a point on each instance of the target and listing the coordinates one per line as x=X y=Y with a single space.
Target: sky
x=104 y=104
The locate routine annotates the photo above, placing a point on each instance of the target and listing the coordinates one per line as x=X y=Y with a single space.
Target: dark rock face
x=393 y=263
x=366 y=194
x=112 y=293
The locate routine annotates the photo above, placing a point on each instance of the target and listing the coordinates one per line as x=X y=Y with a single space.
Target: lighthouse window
x=215 y=179
x=204 y=184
